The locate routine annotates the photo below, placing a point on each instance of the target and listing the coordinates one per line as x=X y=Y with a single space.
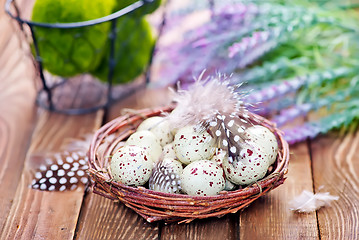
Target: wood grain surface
x=212 y=229
x=17 y=113
x=335 y=170
x=40 y=213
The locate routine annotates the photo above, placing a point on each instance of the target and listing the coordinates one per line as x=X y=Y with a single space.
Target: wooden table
x=330 y=161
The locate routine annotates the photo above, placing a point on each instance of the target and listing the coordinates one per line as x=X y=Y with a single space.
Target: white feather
x=309 y=202
x=204 y=100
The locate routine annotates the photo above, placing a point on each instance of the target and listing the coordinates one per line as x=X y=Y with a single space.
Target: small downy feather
x=309 y=202
x=204 y=100
x=64 y=170
x=214 y=105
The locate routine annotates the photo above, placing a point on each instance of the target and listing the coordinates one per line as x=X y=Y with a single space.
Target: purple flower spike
x=301 y=133
x=276 y=91
x=292 y=113
x=247 y=43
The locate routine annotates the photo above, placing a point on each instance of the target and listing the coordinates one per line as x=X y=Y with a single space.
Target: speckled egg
x=131 y=165
x=158 y=126
x=259 y=152
x=168 y=151
x=165 y=176
x=250 y=167
x=203 y=177
x=148 y=141
x=191 y=146
x=173 y=163
x=262 y=136
x=219 y=156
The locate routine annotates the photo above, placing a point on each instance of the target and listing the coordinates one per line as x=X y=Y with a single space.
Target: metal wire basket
x=54 y=89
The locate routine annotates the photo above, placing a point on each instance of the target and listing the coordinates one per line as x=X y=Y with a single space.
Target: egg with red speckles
x=249 y=168
x=262 y=136
x=257 y=154
x=192 y=145
x=219 y=156
x=158 y=126
x=131 y=165
x=168 y=151
x=203 y=178
x=148 y=141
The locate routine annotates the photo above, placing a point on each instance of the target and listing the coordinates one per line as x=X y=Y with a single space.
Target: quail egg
x=131 y=165
x=263 y=137
x=191 y=145
x=203 y=177
x=148 y=141
x=158 y=126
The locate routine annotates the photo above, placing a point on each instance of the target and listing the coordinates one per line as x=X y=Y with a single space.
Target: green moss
x=67 y=52
x=133 y=48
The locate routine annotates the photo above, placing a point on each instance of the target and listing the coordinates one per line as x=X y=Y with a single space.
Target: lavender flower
x=296 y=111
x=279 y=89
x=312 y=129
x=268 y=70
x=208 y=43
x=255 y=46
x=248 y=43
x=292 y=113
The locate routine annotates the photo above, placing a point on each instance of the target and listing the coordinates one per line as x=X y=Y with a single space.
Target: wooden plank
x=102 y=218
x=17 y=118
x=211 y=229
x=270 y=218
x=336 y=170
x=50 y=215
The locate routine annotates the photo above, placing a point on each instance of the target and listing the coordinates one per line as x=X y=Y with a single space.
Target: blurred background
x=293 y=59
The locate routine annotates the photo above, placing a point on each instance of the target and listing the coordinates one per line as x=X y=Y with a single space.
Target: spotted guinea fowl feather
x=164 y=178
x=230 y=133
x=64 y=170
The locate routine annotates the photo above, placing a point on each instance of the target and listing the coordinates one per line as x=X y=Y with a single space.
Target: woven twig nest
x=154 y=206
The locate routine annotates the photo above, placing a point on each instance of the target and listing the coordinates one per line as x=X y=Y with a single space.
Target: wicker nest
x=154 y=206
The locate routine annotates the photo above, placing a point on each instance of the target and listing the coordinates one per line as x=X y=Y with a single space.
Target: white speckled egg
x=168 y=151
x=251 y=166
x=219 y=155
x=255 y=158
x=173 y=163
x=203 y=177
x=191 y=145
x=148 y=141
x=165 y=176
x=131 y=165
x=263 y=137
x=158 y=126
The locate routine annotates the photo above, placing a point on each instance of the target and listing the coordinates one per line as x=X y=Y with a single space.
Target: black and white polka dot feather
x=62 y=171
x=229 y=131
x=164 y=179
